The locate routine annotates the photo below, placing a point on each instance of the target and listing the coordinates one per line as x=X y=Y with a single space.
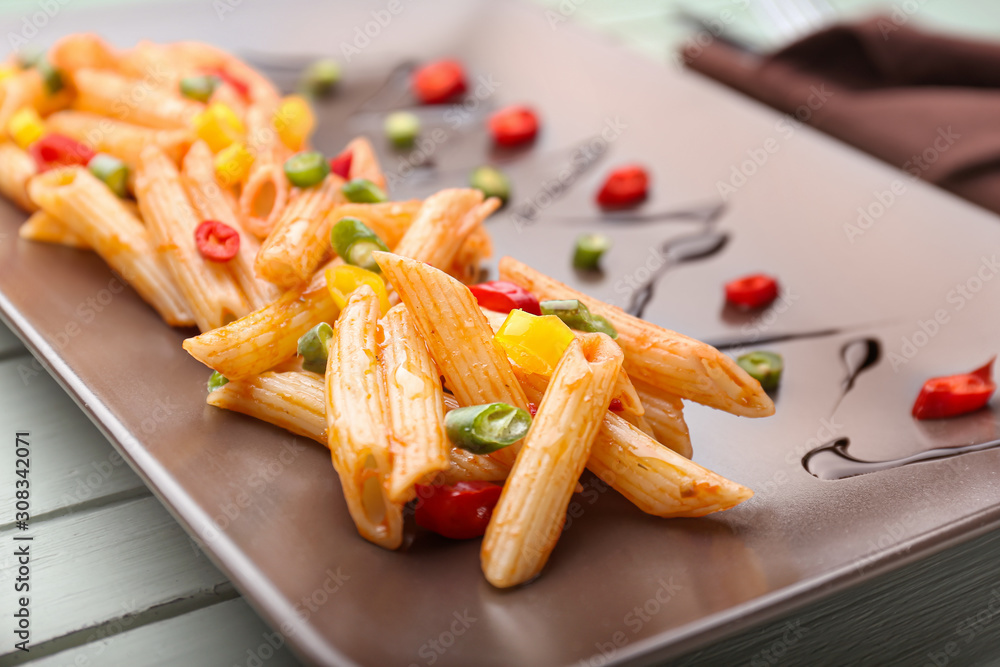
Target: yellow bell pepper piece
x=233 y=163
x=26 y=127
x=294 y=122
x=344 y=279
x=535 y=343
x=219 y=126
x=6 y=71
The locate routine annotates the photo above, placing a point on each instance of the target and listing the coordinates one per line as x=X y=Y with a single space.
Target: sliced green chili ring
x=313 y=347
x=200 y=87
x=216 y=380
x=51 y=76
x=576 y=315
x=482 y=429
x=306 y=169
x=401 y=129
x=602 y=325
x=111 y=170
x=491 y=181
x=765 y=367
x=320 y=77
x=588 y=251
x=355 y=242
x=363 y=191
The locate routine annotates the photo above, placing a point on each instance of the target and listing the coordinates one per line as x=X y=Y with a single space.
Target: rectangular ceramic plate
x=268 y=507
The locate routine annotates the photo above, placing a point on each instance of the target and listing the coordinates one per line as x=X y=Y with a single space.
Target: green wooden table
x=130 y=588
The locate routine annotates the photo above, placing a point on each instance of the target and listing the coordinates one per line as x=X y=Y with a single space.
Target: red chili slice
x=616 y=405
x=624 y=187
x=504 y=296
x=439 y=81
x=217 y=241
x=341 y=165
x=56 y=150
x=460 y=512
x=754 y=291
x=513 y=126
x=238 y=84
x=955 y=395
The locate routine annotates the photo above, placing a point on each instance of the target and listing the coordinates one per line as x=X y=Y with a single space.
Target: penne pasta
x=210 y=290
x=132 y=100
x=213 y=202
x=45 y=228
x=414 y=406
x=441 y=226
x=389 y=220
x=529 y=517
x=265 y=192
x=18 y=91
x=665 y=359
x=16 y=168
x=125 y=141
x=82 y=51
x=665 y=415
x=155 y=64
x=200 y=56
x=93 y=212
x=364 y=163
x=357 y=424
x=300 y=238
x=477 y=248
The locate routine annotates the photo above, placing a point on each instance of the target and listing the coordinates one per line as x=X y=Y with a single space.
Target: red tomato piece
x=503 y=297
x=56 y=150
x=238 y=84
x=616 y=405
x=341 y=165
x=533 y=409
x=754 y=291
x=437 y=82
x=513 y=126
x=460 y=512
x=624 y=187
x=217 y=241
x=955 y=395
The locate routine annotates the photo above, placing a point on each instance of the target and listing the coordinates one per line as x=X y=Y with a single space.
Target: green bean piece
x=313 y=348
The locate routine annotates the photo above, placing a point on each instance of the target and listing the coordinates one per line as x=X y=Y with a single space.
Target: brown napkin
x=928 y=104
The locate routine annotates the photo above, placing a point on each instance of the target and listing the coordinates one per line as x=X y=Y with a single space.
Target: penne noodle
x=225 y=93
x=529 y=517
x=356 y=421
x=441 y=226
x=132 y=101
x=125 y=141
x=389 y=220
x=301 y=236
x=457 y=334
x=656 y=479
x=664 y=359
x=665 y=414
x=414 y=406
x=266 y=337
x=16 y=169
x=93 y=212
x=213 y=202
x=155 y=64
x=477 y=248
x=265 y=192
x=364 y=164
x=82 y=51
x=199 y=56
x=45 y=228
x=208 y=286
x=18 y=91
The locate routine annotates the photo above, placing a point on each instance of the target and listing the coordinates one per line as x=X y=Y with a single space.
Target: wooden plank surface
x=228 y=633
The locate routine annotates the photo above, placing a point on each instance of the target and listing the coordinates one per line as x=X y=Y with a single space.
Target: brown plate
x=621 y=586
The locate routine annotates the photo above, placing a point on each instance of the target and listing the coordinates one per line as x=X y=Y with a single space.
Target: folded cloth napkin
x=928 y=104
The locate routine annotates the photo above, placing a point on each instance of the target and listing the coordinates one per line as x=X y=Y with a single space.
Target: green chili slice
x=401 y=129
x=313 y=347
x=306 y=169
x=216 y=380
x=588 y=251
x=482 y=429
x=320 y=77
x=355 y=242
x=111 y=170
x=200 y=87
x=576 y=315
x=51 y=76
x=363 y=191
x=602 y=325
x=765 y=367
x=491 y=181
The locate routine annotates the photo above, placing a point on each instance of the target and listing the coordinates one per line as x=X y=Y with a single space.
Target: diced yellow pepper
x=294 y=122
x=6 y=71
x=219 y=126
x=344 y=279
x=233 y=163
x=535 y=343
x=26 y=127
